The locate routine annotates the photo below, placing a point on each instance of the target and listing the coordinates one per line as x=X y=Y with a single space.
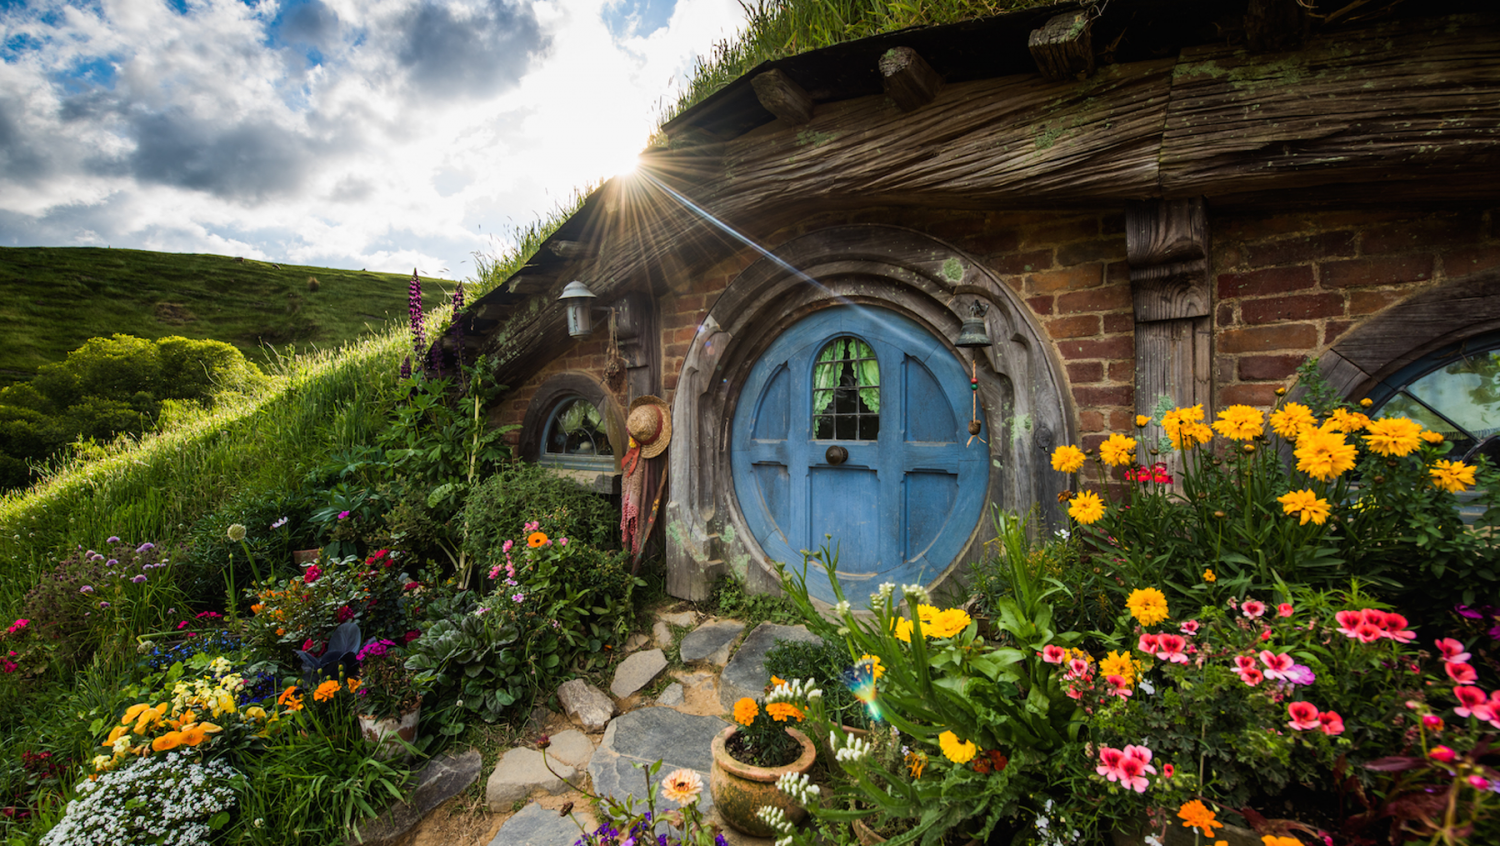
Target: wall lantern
x=579 y=300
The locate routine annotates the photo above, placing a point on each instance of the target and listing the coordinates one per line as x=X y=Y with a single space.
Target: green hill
x=52 y=299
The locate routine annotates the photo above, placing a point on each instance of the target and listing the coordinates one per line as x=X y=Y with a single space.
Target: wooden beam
x=783 y=97
x=908 y=79
x=1064 y=47
x=571 y=249
x=1166 y=244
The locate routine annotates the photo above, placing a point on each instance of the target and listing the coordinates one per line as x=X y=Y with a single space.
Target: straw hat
x=650 y=424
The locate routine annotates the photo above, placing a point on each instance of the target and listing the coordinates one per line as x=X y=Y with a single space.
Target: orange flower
x=536 y=539
x=1196 y=815
x=167 y=742
x=255 y=609
x=780 y=711
x=353 y=685
x=745 y=711
x=326 y=691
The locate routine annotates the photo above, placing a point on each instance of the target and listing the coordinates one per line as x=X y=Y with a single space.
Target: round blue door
x=852 y=432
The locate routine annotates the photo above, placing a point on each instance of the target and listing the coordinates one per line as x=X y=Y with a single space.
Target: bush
x=521 y=492
x=204 y=571
x=826 y=665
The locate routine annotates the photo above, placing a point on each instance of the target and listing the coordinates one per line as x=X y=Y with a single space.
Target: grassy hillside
x=52 y=299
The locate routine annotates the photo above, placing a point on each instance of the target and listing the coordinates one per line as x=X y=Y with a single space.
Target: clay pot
x=383 y=731
x=740 y=790
x=867 y=836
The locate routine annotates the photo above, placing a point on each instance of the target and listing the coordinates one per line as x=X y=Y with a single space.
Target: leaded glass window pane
x=576 y=434
x=846 y=392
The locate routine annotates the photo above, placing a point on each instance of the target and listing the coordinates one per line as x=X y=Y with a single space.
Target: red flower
x=1331 y=723
x=377 y=556
x=344 y=614
x=1461 y=672
x=410 y=636
x=412 y=585
x=1443 y=754
x=1304 y=716
x=312 y=575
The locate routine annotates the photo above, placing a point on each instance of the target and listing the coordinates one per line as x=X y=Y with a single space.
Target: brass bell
x=973 y=332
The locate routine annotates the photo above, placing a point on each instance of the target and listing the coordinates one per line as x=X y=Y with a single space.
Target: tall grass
x=779 y=28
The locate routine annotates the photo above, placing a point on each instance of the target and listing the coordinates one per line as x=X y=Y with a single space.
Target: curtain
x=867 y=372
x=831 y=363
x=826 y=374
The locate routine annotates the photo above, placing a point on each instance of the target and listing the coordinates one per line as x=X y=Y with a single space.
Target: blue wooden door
x=876 y=385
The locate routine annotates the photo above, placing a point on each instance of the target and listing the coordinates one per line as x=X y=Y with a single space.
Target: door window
x=846 y=392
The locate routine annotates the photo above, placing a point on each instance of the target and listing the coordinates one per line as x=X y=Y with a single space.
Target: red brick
x=1040 y=305
x=1122 y=419
x=1091 y=421
x=1113 y=298
x=1081 y=326
x=1333 y=329
x=1395 y=270
x=1224 y=369
x=1067 y=279
x=1255 y=228
x=1091 y=442
x=685 y=334
x=1262 y=395
x=1368 y=302
x=1300 y=250
x=997 y=240
x=1419 y=235
x=1122 y=371
x=1083 y=372
x=690 y=303
x=1112 y=224
x=1261 y=368
x=1058 y=233
x=1016 y=284
x=1462 y=262
x=1280 y=309
x=1117 y=273
x=1026 y=262
x=1287 y=336
x=1118 y=347
x=1226 y=315
x=1228 y=256
x=1120 y=395
x=1116 y=323
x=669 y=381
x=1257 y=283
x=675 y=349
x=1103 y=249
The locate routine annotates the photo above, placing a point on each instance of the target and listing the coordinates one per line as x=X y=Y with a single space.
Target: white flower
x=880 y=596
x=842 y=609
x=1063 y=533
x=917 y=593
x=856 y=750
x=798 y=786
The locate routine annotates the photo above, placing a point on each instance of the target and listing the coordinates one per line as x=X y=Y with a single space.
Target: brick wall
x=1287 y=286
x=582 y=356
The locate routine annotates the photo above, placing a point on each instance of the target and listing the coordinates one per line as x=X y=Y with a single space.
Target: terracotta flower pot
x=867 y=836
x=740 y=790
x=383 y=731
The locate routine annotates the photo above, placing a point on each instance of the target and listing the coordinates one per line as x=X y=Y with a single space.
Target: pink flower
x=312 y=575
x=1253 y=608
x=18 y=625
x=1348 y=621
x=1169 y=648
x=506 y=547
x=415 y=585
x=1109 y=763
x=343 y=515
x=1078 y=669
x=1304 y=716
x=8 y=666
x=532 y=526
x=1252 y=677
x=1053 y=654
x=1265 y=635
x=1479 y=782
x=1470 y=701
x=1367 y=632
x=1189 y=628
x=1453 y=651
x=1432 y=722
x=1167 y=771
x=1461 y=672
x=1284 y=609
x=1443 y=754
x=1244 y=663
x=1277 y=666
x=1118 y=687
x=1331 y=723
x=1135 y=761
x=1147 y=643
x=1394 y=627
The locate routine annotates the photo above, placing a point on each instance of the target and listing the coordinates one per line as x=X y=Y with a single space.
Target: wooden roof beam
x=783 y=97
x=1064 y=47
x=908 y=79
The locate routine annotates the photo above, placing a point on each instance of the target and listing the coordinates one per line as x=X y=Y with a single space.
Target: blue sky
x=384 y=134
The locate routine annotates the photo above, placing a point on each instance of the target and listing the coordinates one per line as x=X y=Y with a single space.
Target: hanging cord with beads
x=974 y=425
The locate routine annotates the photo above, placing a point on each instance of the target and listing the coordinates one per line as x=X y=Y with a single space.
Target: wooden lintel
x=783 y=97
x=530 y=283
x=1166 y=244
x=1064 y=47
x=908 y=79
x=571 y=249
x=1274 y=25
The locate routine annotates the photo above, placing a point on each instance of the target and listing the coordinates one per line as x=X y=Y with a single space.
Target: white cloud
x=381 y=134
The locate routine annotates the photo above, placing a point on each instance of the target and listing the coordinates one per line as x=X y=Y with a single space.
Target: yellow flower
x=536 y=539
x=745 y=711
x=1433 y=438
x=682 y=786
x=1208 y=576
x=916 y=762
x=875 y=665
x=255 y=712
x=1323 y=453
x=1196 y=815
x=1117 y=450
x=1086 y=508
x=1291 y=420
x=1118 y=664
x=1240 y=423
x=1067 y=459
x=115 y=734
x=782 y=711
x=1451 y=476
x=1141 y=420
x=354 y=684
x=1343 y=420
x=133 y=712
x=326 y=691
x=1393 y=436
x=946 y=623
x=955 y=750
x=1366 y=402
x=1186 y=428
x=902 y=627
x=1148 y=605
x=1307 y=504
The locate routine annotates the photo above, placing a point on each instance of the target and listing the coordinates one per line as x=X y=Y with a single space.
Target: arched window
x=846 y=392
x=577 y=436
x=1455 y=391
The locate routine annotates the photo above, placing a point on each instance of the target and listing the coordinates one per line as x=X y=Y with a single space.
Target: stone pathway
x=676 y=728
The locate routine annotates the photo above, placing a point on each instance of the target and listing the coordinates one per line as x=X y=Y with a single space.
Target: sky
x=361 y=134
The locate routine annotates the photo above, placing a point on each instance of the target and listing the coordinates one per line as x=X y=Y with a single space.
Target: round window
x=577 y=436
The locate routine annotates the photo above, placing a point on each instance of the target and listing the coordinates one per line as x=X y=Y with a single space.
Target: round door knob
x=836 y=455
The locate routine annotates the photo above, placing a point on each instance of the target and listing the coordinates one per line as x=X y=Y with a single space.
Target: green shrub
x=730 y=600
x=519 y=493
x=825 y=664
x=203 y=573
